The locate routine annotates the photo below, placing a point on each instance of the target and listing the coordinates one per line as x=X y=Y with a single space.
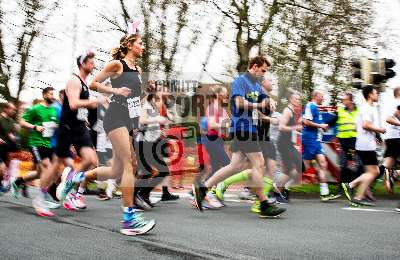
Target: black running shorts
x=368 y=157
x=79 y=137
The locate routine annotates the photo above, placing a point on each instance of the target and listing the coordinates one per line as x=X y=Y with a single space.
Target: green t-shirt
x=41 y=115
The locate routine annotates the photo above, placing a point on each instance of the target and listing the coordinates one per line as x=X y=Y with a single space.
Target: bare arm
x=26 y=124
x=367 y=125
x=393 y=121
x=310 y=123
x=112 y=69
x=284 y=121
x=241 y=103
x=73 y=91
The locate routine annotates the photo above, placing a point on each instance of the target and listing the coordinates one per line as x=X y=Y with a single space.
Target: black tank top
x=71 y=118
x=129 y=78
x=287 y=136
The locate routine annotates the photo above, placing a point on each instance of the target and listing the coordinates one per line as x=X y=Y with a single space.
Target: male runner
x=246 y=98
x=41 y=119
x=311 y=141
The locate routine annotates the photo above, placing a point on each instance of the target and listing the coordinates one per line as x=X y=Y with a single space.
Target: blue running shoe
x=137 y=226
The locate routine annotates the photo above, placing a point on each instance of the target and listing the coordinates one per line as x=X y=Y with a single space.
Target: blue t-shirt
x=311 y=112
x=249 y=88
x=58 y=108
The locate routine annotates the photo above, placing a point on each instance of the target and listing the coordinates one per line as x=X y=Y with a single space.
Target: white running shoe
x=69 y=203
x=79 y=201
x=51 y=203
x=110 y=188
x=41 y=208
x=212 y=201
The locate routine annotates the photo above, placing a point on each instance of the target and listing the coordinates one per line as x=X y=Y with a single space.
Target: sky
x=69 y=41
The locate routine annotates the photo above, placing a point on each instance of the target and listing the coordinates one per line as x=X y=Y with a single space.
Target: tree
x=316 y=42
x=14 y=63
x=162 y=35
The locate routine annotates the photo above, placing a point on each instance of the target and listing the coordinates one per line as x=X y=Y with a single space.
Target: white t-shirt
x=366 y=140
x=391 y=130
x=152 y=131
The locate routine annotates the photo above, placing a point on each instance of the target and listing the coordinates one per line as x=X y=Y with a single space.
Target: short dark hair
x=61 y=92
x=46 y=90
x=259 y=61
x=88 y=56
x=367 y=90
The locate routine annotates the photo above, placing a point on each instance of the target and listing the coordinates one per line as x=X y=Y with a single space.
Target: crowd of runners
x=118 y=127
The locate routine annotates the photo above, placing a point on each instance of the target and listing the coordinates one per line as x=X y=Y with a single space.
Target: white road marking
x=369 y=210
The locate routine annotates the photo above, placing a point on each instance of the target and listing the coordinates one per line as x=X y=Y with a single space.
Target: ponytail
x=120 y=52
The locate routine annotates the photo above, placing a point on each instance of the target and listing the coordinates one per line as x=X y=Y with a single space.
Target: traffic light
x=371 y=72
x=361 y=72
x=386 y=68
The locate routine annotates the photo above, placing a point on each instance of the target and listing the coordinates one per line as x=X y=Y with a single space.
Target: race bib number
x=134 y=107
x=49 y=128
x=82 y=114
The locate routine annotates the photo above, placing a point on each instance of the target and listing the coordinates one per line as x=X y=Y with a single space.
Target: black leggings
x=150 y=155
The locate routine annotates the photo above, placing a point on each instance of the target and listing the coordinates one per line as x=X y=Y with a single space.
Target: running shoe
x=169 y=197
x=66 y=184
x=154 y=200
x=347 y=191
x=69 y=203
x=256 y=207
x=15 y=189
x=325 y=198
x=199 y=193
x=141 y=202
x=50 y=202
x=137 y=226
x=137 y=208
x=280 y=198
x=388 y=180
x=110 y=189
x=41 y=208
x=271 y=211
x=146 y=199
x=220 y=191
x=245 y=194
x=79 y=201
x=103 y=197
x=212 y=200
x=2 y=190
x=362 y=202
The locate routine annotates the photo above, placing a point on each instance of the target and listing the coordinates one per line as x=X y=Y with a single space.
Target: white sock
x=324 y=190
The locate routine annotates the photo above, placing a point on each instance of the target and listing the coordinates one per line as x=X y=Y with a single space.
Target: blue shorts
x=311 y=148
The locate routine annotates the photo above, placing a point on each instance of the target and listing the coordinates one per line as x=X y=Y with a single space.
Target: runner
x=150 y=147
x=8 y=143
x=392 y=141
x=367 y=128
x=268 y=151
x=41 y=119
x=122 y=117
x=311 y=142
x=72 y=131
x=246 y=98
x=290 y=156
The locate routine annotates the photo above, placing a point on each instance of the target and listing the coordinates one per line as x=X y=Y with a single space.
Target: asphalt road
x=309 y=230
